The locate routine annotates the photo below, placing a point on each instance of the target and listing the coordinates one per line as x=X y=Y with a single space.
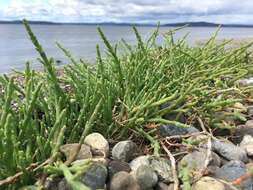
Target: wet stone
x=229 y=151
x=232 y=171
x=95 y=177
x=171 y=130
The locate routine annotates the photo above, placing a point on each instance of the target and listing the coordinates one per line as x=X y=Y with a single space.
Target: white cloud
x=222 y=11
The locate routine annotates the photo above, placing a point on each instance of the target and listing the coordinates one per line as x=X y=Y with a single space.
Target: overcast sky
x=137 y=11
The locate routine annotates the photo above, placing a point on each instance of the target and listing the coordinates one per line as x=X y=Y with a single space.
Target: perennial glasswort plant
x=119 y=96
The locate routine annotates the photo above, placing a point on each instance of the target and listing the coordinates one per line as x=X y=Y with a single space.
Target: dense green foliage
x=118 y=96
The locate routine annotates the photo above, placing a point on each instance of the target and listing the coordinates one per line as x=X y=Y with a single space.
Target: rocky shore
x=192 y=158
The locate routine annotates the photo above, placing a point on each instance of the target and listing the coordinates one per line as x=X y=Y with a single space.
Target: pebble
x=247 y=144
x=138 y=161
x=95 y=177
x=162 y=167
x=117 y=166
x=249 y=123
x=163 y=186
x=146 y=177
x=99 y=145
x=250 y=110
x=233 y=170
x=208 y=183
x=195 y=162
x=124 y=181
x=240 y=131
x=171 y=130
x=63 y=185
x=229 y=151
x=124 y=151
x=69 y=149
x=52 y=184
x=246 y=82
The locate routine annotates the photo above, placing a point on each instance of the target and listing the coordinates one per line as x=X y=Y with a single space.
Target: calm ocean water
x=16 y=49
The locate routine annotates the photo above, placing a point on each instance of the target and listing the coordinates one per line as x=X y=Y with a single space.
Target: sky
x=134 y=11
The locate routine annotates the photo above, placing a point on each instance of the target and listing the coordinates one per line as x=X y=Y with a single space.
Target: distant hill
x=189 y=24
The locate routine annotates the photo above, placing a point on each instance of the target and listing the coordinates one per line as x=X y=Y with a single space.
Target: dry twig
x=13 y=179
x=173 y=166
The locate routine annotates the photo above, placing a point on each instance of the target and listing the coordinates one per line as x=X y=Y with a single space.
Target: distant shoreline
x=189 y=24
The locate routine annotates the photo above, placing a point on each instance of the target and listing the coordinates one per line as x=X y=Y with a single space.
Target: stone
x=138 y=161
x=63 y=185
x=208 y=183
x=124 y=181
x=124 y=151
x=163 y=186
x=195 y=162
x=232 y=171
x=240 y=131
x=250 y=110
x=249 y=123
x=146 y=177
x=162 y=167
x=69 y=149
x=117 y=166
x=246 y=82
x=171 y=130
x=95 y=177
x=247 y=144
x=52 y=184
x=99 y=145
x=229 y=151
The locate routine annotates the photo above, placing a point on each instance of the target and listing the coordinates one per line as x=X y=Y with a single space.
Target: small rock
x=160 y=165
x=163 y=169
x=171 y=130
x=146 y=177
x=240 y=131
x=247 y=144
x=195 y=162
x=163 y=186
x=250 y=110
x=246 y=82
x=52 y=184
x=229 y=151
x=95 y=177
x=208 y=183
x=123 y=181
x=233 y=170
x=63 y=185
x=138 y=161
x=124 y=151
x=249 y=123
x=99 y=145
x=117 y=166
x=69 y=149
